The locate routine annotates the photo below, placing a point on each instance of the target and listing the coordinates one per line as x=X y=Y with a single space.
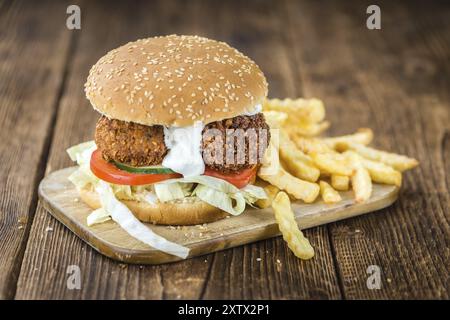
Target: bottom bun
x=190 y=212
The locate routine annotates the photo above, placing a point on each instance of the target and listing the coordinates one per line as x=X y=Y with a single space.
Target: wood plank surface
x=50 y=253
x=185 y=279
x=33 y=55
x=392 y=80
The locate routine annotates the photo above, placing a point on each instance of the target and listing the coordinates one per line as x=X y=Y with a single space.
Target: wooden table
x=395 y=80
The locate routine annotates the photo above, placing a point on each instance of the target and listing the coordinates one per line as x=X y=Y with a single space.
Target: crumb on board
x=22 y=220
x=278 y=265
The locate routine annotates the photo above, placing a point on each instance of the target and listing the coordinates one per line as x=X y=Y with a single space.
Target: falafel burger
x=180 y=136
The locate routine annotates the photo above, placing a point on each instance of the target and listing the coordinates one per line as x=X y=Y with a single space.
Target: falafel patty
x=139 y=145
x=227 y=128
x=130 y=143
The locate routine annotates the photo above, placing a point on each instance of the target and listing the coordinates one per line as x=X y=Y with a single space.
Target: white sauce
x=256 y=110
x=184 y=154
x=184 y=144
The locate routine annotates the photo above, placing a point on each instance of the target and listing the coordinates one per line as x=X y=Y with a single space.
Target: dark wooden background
x=395 y=80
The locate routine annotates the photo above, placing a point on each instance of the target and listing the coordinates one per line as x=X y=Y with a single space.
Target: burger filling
x=214 y=163
x=228 y=146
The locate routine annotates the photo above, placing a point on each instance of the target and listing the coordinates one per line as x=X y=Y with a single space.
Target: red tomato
x=240 y=179
x=108 y=172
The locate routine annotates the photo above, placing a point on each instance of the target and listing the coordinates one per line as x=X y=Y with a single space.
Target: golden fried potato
x=329 y=195
x=271 y=192
x=340 y=182
x=380 y=172
x=308 y=145
x=297 y=163
x=331 y=162
x=305 y=110
x=295 y=239
x=298 y=188
x=361 y=182
x=307 y=129
x=275 y=119
x=397 y=161
x=363 y=136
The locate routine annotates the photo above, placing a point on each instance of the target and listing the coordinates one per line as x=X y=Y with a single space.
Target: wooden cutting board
x=61 y=199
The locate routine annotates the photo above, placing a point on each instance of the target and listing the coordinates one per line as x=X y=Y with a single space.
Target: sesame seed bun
x=175 y=81
x=168 y=213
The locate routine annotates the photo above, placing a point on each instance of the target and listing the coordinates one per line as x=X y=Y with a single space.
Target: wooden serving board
x=61 y=199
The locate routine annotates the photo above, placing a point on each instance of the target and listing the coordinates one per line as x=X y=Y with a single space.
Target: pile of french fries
x=300 y=164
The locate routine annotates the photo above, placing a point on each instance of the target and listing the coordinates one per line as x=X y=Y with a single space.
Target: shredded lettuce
x=169 y=191
x=81 y=153
x=233 y=203
x=148 y=197
x=97 y=216
x=215 y=191
x=125 y=218
x=253 y=193
x=75 y=152
x=220 y=193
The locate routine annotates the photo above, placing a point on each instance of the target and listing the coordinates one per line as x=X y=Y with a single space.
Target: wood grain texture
x=50 y=253
x=394 y=80
x=182 y=280
x=390 y=80
x=33 y=55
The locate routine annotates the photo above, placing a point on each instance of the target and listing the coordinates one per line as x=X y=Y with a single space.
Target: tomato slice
x=240 y=179
x=108 y=172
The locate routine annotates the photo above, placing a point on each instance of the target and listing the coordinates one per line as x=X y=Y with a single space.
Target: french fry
x=346 y=160
x=380 y=172
x=275 y=119
x=340 y=182
x=363 y=136
x=397 y=161
x=333 y=163
x=307 y=129
x=306 y=110
x=295 y=239
x=329 y=195
x=308 y=145
x=271 y=192
x=298 y=188
x=298 y=163
x=271 y=161
x=298 y=168
x=287 y=142
x=361 y=182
